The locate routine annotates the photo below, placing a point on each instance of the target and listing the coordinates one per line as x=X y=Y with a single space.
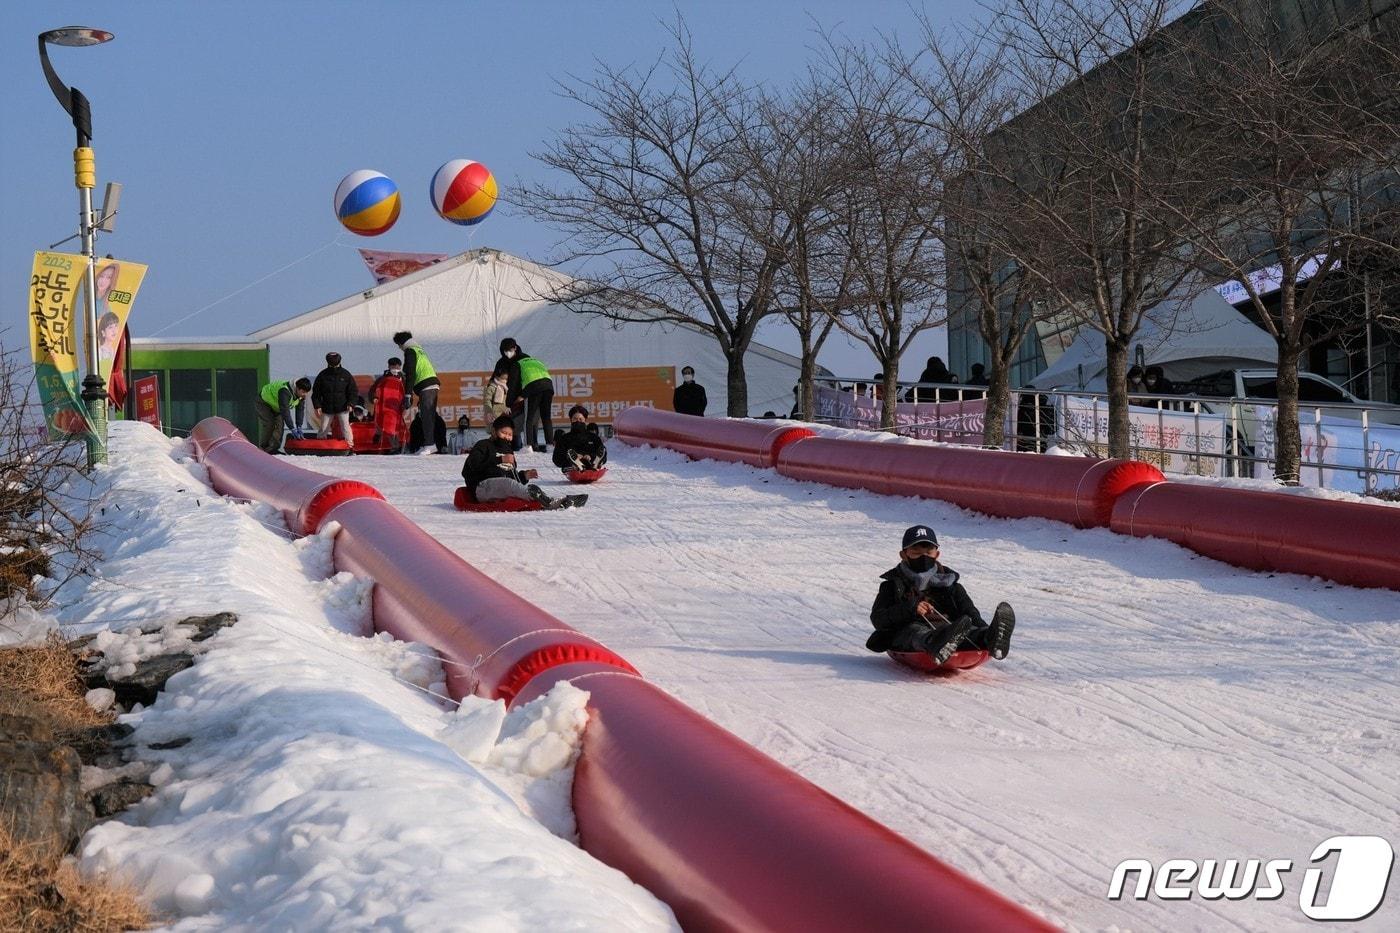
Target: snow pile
x=322 y=786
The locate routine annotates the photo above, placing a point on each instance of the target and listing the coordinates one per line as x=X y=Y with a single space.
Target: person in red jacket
x=386 y=399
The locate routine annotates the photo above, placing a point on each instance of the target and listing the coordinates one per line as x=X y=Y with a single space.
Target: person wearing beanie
x=530 y=392
x=580 y=447
x=921 y=606
x=332 y=396
x=421 y=379
x=491 y=475
x=275 y=405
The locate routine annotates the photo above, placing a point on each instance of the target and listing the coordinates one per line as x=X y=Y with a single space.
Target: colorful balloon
x=463 y=192
x=367 y=202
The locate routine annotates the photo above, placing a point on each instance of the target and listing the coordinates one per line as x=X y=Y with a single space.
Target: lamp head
x=76 y=36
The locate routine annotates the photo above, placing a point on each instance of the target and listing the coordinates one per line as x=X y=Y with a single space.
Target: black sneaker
x=946 y=640
x=999 y=639
x=575 y=502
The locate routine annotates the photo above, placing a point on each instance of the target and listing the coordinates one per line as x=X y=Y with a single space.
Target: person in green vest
x=274 y=407
x=421 y=379
x=530 y=388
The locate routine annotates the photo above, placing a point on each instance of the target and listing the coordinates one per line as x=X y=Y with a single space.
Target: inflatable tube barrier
x=960 y=661
x=732 y=439
x=238 y=468
x=1349 y=542
x=1076 y=490
x=732 y=840
x=492 y=641
x=464 y=501
x=586 y=476
x=316 y=447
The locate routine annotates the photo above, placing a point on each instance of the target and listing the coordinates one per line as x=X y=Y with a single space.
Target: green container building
x=203 y=378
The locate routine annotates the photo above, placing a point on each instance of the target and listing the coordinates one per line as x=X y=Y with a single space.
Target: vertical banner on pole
x=148 y=400
x=117 y=284
x=53 y=341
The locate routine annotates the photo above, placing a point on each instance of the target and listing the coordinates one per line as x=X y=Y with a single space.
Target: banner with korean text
x=147 y=390
x=54 y=336
x=950 y=422
x=604 y=391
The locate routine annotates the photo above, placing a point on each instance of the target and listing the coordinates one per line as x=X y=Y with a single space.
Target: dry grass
x=42 y=683
x=45 y=894
x=18 y=569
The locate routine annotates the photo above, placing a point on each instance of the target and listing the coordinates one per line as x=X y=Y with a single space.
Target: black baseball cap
x=919 y=534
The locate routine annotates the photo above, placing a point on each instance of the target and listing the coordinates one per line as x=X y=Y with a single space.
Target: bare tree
x=1091 y=167
x=793 y=164
x=647 y=205
x=45 y=516
x=891 y=205
x=1298 y=126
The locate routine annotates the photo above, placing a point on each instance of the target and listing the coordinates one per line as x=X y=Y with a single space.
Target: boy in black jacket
x=579 y=448
x=921 y=606
x=491 y=475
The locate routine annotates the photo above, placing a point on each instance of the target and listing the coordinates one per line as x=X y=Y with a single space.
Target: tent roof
x=1185 y=339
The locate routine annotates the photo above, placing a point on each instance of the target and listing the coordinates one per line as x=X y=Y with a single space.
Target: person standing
x=495 y=393
x=274 y=407
x=529 y=382
x=689 y=397
x=386 y=402
x=420 y=379
x=333 y=395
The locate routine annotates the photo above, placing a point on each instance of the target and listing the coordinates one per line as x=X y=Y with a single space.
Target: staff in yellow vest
x=274 y=407
x=421 y=379
x=529 y=385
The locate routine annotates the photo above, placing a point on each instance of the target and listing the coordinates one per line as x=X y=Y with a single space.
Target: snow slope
x=323 y=786
x=1156 y=704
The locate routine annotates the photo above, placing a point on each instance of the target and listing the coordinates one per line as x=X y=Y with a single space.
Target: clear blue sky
x=230 y=124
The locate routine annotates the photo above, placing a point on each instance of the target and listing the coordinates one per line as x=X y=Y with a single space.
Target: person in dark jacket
x=491 y=475
x=333 y=395
x=1154 y=381
x=936 y=372
x=530 y=391
x=421 y=379
x=580 y=447
x=689 y=397
x=274 y=407
x=921 y=606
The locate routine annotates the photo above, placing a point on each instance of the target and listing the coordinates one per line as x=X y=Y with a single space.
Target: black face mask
x=578 y=427
x=920 y=564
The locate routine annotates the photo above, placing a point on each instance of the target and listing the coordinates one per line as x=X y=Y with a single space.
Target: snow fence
x=1350 y=542
x=726 y=836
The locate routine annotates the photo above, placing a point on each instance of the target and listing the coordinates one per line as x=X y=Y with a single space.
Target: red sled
x=363 y=432
x=466 y=502
x=586 y=476
x=316 y=447
x=922 y=661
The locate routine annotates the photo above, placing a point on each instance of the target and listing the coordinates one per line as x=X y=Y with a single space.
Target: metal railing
x=1350 y=447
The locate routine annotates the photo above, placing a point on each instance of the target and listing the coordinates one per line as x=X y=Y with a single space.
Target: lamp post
x=85 y=177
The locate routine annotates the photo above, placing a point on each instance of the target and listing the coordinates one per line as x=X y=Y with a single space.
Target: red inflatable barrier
x=586 y=476
x=464 y=501
x=921 y=661
x=316 y=447
x=1076 y=490
x=238 y=468
x=732 y=439
x=732 y=840
x=491 y=640
x=1350 y=542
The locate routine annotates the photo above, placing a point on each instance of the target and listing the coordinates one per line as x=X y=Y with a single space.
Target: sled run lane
x=1156 y=704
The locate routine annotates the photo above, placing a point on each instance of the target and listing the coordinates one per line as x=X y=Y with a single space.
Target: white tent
x=1186 y=340
x=461 y=308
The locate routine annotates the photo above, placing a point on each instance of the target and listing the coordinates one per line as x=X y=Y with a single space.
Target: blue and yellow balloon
x=367 y=202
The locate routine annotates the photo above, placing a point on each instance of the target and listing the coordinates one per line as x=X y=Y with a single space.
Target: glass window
x=237 y=391
x=1312 y=389
x=191 y=399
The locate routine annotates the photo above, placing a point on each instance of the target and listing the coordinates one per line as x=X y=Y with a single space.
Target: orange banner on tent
x=603 y=391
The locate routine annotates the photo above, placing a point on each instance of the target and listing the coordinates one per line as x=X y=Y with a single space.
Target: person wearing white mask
x=386 y=401
x=689 y=397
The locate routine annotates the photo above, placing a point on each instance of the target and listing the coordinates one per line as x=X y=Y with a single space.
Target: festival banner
x=1337 y=453
x=385 y=265
x=604 y=391
x=956 y=422
x=117 y=284
x=148 y=400
x=53 y=340
x=1175 y=441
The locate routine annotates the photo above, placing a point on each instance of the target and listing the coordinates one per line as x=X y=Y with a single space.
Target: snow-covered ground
x=1156 y=704
x=324 y=786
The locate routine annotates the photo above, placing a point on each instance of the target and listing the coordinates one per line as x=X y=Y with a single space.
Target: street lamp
x=85 y=177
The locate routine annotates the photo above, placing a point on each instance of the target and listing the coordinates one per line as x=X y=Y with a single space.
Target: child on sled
x=921 y=606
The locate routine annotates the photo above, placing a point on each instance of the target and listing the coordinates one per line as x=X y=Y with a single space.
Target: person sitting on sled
x=921 y=606
x=491 y=475
x=579 y=448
